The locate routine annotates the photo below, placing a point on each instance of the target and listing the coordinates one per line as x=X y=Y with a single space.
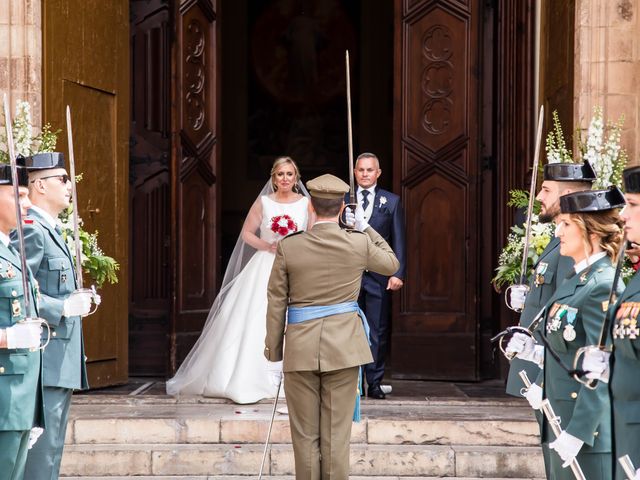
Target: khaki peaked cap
x=327 y=186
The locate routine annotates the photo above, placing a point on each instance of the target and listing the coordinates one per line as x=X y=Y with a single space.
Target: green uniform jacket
x=20 y=369
x=51 y=262
x=625 y=376
x=584 y=413
x=550 y=270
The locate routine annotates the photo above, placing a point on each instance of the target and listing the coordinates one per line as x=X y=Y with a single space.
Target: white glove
x=34 y=435
x=78 y=303
x=517 y=296
x=637 y=477
x=274 y=370
x=534 y=396
x=525 y=348
x=596 y=363
x=24 y=335
x=567 y=447
x=356 y=219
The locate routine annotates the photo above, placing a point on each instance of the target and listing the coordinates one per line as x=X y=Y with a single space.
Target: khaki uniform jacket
x=322 y=266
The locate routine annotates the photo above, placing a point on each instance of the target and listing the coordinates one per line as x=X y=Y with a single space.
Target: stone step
x=218 y=460
x=419 y=424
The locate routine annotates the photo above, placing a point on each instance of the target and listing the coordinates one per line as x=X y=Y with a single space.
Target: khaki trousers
x=320 y=414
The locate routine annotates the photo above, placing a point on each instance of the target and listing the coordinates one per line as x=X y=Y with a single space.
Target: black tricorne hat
x=44 y=161
x=6 y=179
x=631 y=177
x=569 y=172
x=590 y=201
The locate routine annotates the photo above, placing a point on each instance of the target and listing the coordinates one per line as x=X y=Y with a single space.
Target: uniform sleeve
x=380 y=256
x=590 y=404
x=49 y=308
x=277 y=296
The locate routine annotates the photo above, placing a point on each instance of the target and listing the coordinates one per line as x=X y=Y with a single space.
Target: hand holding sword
x=348 y=218
x=554 y=423
x=22 y=334
x=83 y=301
x=516 y=294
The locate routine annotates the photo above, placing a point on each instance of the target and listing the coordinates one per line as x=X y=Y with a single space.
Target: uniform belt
x=304 y=314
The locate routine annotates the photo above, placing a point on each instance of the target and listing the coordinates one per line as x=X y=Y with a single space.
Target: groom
x=383 y=211
x=313 y=289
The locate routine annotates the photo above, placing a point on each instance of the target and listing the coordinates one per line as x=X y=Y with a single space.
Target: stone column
x=21 y=53
x=607 y=65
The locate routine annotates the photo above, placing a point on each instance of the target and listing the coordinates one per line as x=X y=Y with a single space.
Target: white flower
x=383 y=200
x=283 y=223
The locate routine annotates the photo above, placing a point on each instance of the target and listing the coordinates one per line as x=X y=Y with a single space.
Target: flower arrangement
x=283 y=225
x=99 y=266
x=608 y=160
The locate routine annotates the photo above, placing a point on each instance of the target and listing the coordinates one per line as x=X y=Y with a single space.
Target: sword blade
x=532 y=192
x=352 y=190
x=16 y=193
x=74 y=202
x=606 y=322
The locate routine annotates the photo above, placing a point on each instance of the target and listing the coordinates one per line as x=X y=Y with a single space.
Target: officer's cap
x=44 y=161
x=631 y=179
x=592 y=201
x=569 y=172
x=6 y=179
x=327 y=186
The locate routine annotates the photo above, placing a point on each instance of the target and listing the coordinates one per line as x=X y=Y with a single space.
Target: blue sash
x=304 y=314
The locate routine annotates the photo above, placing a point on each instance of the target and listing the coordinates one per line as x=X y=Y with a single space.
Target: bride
x=227 y=361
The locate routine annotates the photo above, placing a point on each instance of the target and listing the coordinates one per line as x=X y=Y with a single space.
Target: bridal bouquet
x=99 y=266
x=283 y=225
x=602 y=150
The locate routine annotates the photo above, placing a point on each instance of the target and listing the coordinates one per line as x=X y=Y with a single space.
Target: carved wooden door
x=435 y=168
x=195 y=208
x=150 y=187
x=86 y=66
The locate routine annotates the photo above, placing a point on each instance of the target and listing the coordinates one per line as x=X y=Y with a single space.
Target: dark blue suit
x=387 y=218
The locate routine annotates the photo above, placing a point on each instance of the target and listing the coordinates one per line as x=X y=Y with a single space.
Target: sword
x=532 y=199
x=554 y=422
x=627 y=467
x=76 y=222
x=266 y=444
x=29 y=313
x=577 y=373
x=352 y=190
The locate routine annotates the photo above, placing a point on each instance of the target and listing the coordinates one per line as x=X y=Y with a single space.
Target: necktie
x=365 y=199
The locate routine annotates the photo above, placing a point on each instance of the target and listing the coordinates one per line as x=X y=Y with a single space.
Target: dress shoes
x=376 y=392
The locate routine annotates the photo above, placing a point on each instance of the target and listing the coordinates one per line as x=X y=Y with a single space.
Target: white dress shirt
x=588 y=261
x=4 y=238
x=372 y=196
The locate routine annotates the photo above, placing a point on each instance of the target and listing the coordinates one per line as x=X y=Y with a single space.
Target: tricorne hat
x=631 y=177
x=590 y=201
x=6 y=179
x=569 y=172
x=44 y=161
x=327 y=186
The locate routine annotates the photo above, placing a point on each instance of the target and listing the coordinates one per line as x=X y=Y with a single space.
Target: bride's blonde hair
x=277 y=164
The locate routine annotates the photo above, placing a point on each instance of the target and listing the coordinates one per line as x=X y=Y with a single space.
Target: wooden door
x=150 y=187
x=436 y=171
x=86 y=66
x=195 y=208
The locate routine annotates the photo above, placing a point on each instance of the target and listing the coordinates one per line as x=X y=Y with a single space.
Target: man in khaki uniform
x=316 y=278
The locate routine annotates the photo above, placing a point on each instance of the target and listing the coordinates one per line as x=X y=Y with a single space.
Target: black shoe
x=376 y=392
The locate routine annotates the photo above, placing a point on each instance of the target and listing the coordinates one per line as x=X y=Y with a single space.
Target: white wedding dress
x=228 y=360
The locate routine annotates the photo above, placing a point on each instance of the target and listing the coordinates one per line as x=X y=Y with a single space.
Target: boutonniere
x=383 y=200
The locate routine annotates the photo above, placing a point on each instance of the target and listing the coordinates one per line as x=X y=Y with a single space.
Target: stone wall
x=21 y=53
x=607 y=65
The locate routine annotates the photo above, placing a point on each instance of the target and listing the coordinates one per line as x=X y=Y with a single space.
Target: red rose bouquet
x=283 y=225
